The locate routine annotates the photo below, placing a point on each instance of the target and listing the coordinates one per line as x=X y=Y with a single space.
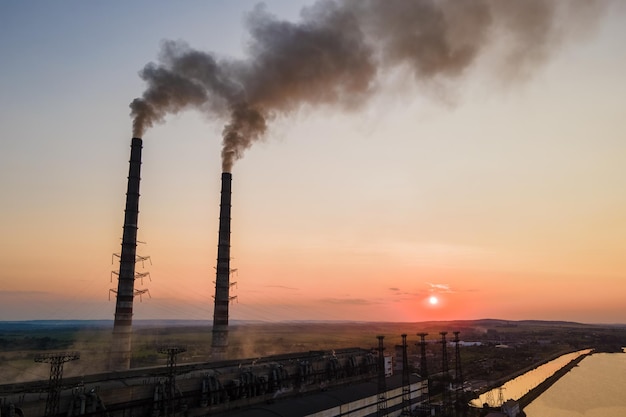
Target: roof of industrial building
x=309 y=403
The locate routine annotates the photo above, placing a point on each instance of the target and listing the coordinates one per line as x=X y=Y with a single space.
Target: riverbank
x=501 y=381
x=548 y=382
x=518 y=386
x=594 y=388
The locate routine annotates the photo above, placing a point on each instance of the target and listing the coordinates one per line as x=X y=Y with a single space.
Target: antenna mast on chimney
x=138 y=276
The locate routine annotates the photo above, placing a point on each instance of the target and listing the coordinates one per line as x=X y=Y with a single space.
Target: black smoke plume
x=340 y=49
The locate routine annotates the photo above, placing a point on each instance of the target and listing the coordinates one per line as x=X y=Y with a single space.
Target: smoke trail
x=339 y=51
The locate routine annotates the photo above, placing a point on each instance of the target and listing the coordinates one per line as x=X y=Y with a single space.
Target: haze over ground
x=504 y=198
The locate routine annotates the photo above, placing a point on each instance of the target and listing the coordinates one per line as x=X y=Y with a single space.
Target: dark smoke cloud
x=339 y=51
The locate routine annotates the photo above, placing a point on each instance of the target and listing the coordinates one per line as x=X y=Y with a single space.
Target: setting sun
x=432 y=300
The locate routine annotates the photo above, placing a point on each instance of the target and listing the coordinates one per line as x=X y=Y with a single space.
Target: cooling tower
x=222 y=281
x=122 y=327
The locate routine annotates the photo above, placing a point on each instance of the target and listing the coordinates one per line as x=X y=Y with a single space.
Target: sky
x=501 y=191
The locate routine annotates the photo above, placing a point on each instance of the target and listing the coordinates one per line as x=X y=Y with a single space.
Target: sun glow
x=432 y=300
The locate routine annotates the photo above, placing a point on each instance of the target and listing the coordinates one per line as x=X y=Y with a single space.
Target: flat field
x=505 y=346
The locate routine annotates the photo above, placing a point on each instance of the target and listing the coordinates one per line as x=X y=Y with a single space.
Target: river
x=595 y=388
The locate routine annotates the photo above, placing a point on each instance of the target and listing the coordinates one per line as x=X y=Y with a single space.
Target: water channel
x=517 y=387
x=595 y=388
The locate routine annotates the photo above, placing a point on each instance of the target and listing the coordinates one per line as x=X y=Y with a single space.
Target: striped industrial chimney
x=122 y=327
x=222 y=281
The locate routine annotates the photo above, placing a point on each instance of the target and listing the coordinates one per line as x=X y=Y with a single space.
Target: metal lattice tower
x=382 y=383
x=171 y=352
x=489 y=399
x=444 y=369
x=56 y=361
x=458 y=371
x=500 y=396
x=423 y=366
x=406 y=383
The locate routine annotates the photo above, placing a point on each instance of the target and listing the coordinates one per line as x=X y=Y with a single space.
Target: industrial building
x=320 y=383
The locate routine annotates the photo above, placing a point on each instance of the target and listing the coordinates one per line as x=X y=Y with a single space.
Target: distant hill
x=99 y=324
x=103 y=324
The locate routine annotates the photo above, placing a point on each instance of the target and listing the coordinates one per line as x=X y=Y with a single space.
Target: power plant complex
x=340 y=54
x=363 y=382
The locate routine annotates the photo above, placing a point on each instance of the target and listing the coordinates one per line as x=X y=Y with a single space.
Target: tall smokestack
x=122 y=327
x=222 y=281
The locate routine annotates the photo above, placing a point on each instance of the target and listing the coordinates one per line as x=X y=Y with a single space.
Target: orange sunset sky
x=504 y=197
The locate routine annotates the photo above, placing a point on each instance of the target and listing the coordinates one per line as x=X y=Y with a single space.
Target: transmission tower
x=423 y=365
x=500 y=396
x=489 y=399
x=170 y=386
x=458 y=371
x=444 y=370
x=56 y=361
x=406 y=383
x=382 y=383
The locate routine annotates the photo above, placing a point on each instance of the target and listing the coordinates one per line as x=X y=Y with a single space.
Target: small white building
x=388 y=366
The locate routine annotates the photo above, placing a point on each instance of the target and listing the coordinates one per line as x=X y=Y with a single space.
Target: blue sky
x=337 y=215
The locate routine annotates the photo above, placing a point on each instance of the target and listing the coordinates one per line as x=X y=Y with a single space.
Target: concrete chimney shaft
x=222 y=281
x=122 y=327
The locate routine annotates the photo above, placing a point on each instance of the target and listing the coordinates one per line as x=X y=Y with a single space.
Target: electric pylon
x=458 y=371
x=382 y=383
x=444 y=371
x=423 y=365
x=406 y=383
x=170 y=392
x=56 y=361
